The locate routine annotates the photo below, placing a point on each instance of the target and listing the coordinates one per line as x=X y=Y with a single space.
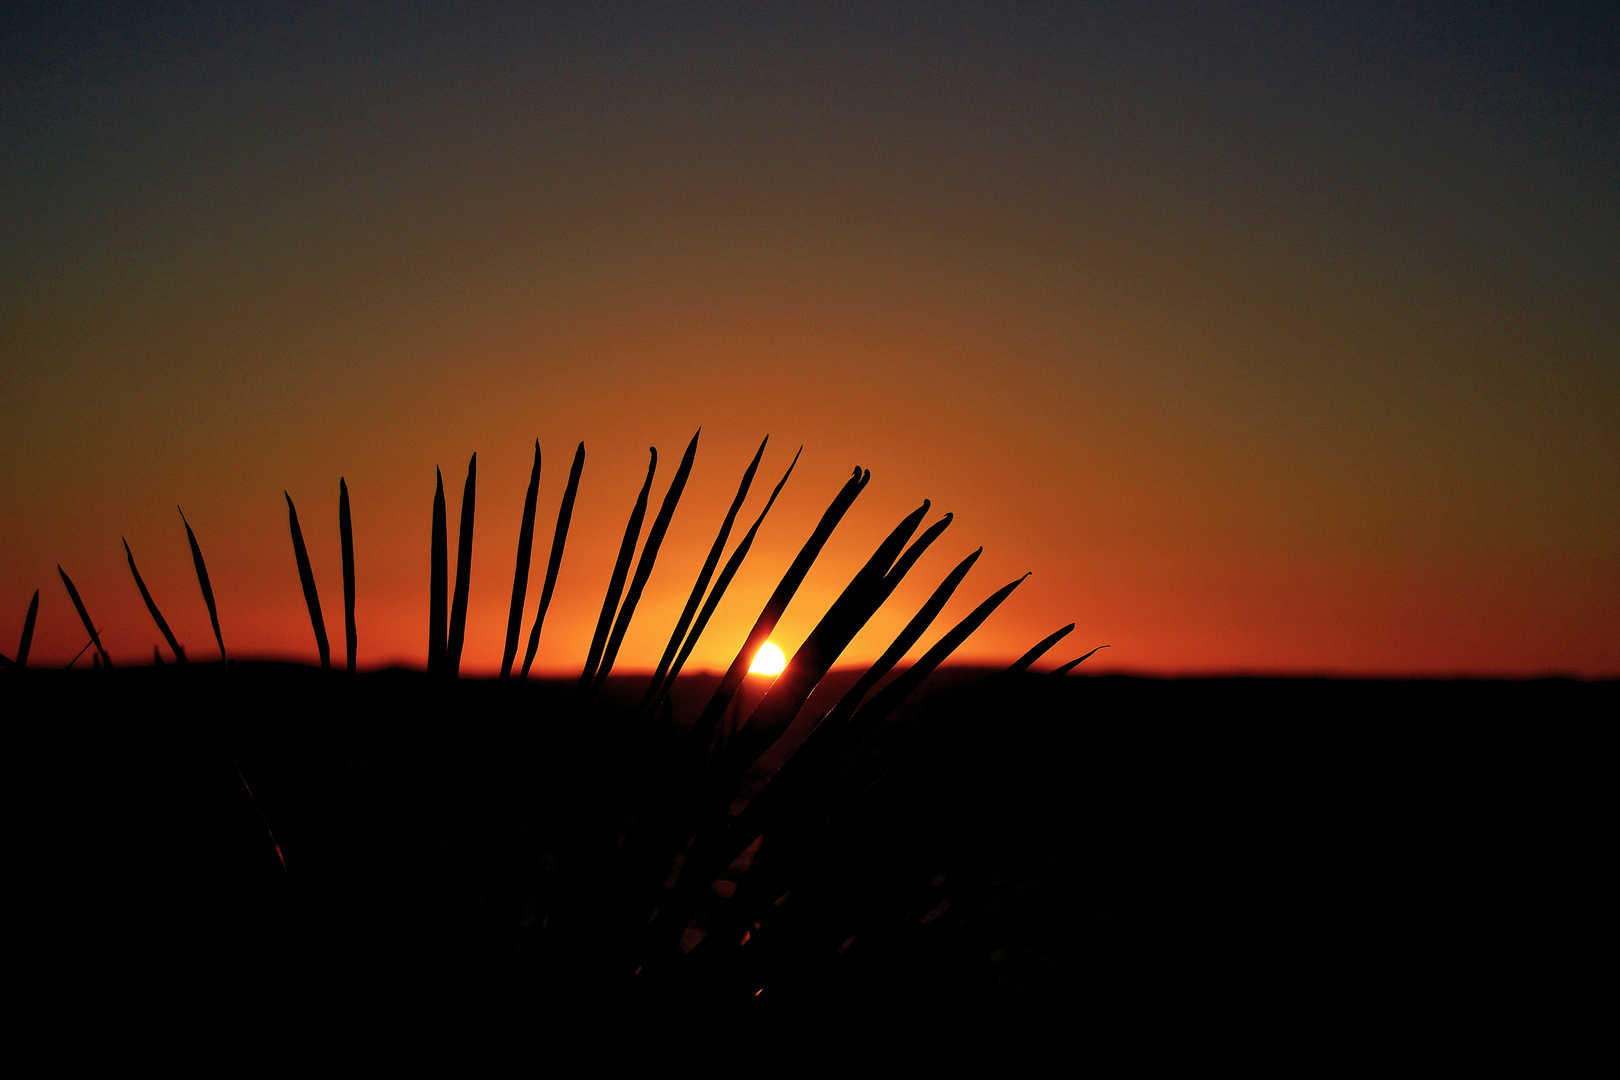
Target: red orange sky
x=1257 y=362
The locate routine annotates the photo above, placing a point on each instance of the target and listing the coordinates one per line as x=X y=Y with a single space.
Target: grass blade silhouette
x=621 y=568
x=306 y=577
x=821 y=649
x=889 y=698
x=151 y=606
x=732 y=565
x=1064 y=669
x=84 y=617
x=705 y=727
x=458 y=606
x=438 y=580
x=520 y=576
x=202 y=581
x=703 y=577
x=28 y=631
x=644 y=565
x=565 y=514
x=346 y=534
x=69 y=665
x=1039 y=650
x=830 y=740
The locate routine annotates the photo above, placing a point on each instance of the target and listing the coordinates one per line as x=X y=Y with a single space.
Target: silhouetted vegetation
x=977 y=835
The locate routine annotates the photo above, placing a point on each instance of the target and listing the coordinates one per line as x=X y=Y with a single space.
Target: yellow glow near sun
x=768 y=661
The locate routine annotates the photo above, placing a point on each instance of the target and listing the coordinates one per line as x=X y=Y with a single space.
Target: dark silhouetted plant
x=464 y=542
x=306 y=577
x=346 y=535
x=621 y=568
x=1038 y=650
x=720 y=585
x=565 y=514
x=438 y=581
x=202 y=583
x=520 y=576
x=151 y=606
x=28 y=631
x=644 y=565
x=1064 y=669
x=702 y=583
x=707 y=724
x=84 y=617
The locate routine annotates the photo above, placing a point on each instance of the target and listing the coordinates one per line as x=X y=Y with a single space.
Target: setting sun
x=768 y=661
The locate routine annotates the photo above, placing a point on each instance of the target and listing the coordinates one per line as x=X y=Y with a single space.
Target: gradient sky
x=1270 y=338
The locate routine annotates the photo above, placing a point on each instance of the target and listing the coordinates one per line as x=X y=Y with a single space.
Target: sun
x=768 y=661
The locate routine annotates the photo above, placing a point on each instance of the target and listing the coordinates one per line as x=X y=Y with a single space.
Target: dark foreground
x=1096 y=843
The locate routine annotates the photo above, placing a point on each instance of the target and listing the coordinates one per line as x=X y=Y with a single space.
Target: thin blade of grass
x=621 y=569
x=80 y=653
x=306 y=577
x=464 y=542
x=707 y=723
x=1064 y=669
x=702 y=583
x=151 y=606
x=84 y=617
x=644 y=565
x=346 y=534
x=202 y=581
x=520 y=576
x=28 y=631
x=559 y=539
x=1039 y=650
x=438 y=580
x=732 y=565
x=254 y=799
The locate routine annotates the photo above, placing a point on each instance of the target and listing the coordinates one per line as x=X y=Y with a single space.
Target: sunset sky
x=1268 y=337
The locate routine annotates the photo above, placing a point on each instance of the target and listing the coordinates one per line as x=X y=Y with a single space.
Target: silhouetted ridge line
x=520 y=575
x=720 y=586
x=565 y=514
x=644 y=566
x=346 y=535
x=84 y=617
x=692 y=601
x=28 y=631
x=621 y=568
x=438 y=580
x=464 y=542
x=1038 y=650
x=1072 y=664
x=306 y=577
x=151 y=606
x=203 y=583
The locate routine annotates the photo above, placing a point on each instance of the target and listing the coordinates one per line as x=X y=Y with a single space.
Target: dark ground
x=1114 y=844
